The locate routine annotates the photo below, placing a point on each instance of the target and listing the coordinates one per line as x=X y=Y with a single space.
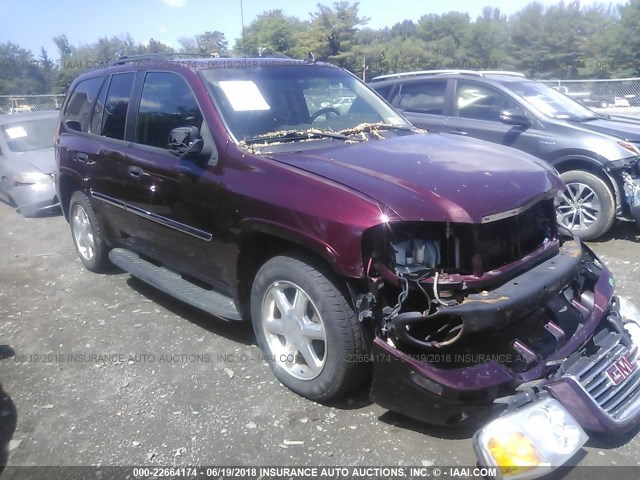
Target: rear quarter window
x=116 y=105
x=77 y=112
x=423 y=97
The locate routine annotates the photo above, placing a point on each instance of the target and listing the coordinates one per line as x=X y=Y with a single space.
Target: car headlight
x=530 y=442
x=32 y=178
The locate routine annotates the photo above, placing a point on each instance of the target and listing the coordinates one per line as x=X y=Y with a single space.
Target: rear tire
x=307 y=329
x=588 y=207
x=87 y=234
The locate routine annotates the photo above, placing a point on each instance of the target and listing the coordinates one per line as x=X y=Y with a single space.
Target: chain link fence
x=29 y=103
x=618 y=96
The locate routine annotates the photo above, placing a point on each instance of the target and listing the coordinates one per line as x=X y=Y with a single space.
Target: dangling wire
x=435 y=293
x=404 y=293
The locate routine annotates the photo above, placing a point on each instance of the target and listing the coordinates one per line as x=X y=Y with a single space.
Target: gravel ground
x=181 y=387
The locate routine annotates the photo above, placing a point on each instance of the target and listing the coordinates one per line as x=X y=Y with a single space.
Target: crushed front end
x=499 y=321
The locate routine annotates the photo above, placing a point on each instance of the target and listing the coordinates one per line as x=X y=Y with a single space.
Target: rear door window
x=423 y=97
x=78 y=110
x=116 y=104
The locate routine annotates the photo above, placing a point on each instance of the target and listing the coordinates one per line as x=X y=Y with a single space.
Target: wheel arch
x=67 y=185
x=263 y=242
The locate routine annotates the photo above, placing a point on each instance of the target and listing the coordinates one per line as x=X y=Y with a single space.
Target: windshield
x=30 y=135
x=272 y=101
x=549 y=101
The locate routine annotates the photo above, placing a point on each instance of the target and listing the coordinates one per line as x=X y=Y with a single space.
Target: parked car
x=27 y=161
x=342 y=104
x=596 y=155
x=605 y=101
x=358 y=246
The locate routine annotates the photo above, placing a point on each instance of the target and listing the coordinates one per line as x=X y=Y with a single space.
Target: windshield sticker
x=244 y=95
x=16 y=132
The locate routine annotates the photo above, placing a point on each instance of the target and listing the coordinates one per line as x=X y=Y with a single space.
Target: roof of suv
x=210 y=61
x=489 y=74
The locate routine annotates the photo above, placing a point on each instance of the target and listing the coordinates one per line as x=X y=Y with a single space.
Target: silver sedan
x=27 y=161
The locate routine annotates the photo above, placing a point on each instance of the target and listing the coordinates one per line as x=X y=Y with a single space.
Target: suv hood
x=432 y=177
x=622 y=127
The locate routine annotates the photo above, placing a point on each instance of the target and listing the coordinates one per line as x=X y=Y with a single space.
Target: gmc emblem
x=619 y=371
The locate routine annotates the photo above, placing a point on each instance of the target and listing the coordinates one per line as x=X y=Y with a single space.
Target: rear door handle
x=135 y=172
x=82 y=157
x=457 y=131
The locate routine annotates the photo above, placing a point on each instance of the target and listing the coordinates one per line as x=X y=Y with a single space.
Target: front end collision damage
x=465 y=337
x=624 y=175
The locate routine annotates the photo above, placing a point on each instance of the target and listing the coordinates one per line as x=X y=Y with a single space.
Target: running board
x=172 y=283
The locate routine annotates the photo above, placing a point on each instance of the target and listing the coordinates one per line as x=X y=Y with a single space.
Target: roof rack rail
x=160 y=56
x=478 y=73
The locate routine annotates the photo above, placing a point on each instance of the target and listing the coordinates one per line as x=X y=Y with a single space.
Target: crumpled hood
x=43 y=160
x=621 y=127
x=431 y=177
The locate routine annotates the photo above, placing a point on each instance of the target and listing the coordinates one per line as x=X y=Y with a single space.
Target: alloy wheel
x=579 y=207
x=294 y=330
x=83 y=232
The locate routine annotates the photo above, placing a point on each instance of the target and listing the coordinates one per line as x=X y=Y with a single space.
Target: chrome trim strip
x=167 y=222
x=109 y=200
x=516 y=211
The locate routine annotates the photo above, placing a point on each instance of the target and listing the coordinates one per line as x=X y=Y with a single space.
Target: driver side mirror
x=514 y=117
x=185 y=142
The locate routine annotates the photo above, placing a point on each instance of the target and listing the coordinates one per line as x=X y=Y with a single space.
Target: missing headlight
x=416 y=255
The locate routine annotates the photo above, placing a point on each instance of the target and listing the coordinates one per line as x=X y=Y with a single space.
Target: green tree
x=331 y=33
x=207 y=43
x=20 y=72
x=485 y=45
x=271 y=32
x=48 y=71
x=444 y=35
x=629 y=38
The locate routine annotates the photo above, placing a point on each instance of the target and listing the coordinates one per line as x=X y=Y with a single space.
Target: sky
x=32 y=24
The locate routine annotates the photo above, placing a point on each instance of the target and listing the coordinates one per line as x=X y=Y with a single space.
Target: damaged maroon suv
x=289 y=194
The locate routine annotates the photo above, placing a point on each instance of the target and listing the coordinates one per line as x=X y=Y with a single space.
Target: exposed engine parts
x=432 y=283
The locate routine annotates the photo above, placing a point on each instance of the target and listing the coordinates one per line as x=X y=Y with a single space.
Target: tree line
x=563 y=41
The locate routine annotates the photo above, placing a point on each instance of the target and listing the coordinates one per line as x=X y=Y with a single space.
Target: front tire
x=587 y=207
x=87 y=235
x=307 y=330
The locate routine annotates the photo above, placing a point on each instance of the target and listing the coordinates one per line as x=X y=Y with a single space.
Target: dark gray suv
x=597 y=155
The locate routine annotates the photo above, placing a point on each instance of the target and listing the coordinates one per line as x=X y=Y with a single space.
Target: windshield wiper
x=368 y=127
x=294 y=136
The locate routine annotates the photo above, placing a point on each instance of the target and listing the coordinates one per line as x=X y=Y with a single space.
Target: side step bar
x=172 y=283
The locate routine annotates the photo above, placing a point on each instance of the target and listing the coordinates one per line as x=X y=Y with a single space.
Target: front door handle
x=82 y=157
x=135 y=172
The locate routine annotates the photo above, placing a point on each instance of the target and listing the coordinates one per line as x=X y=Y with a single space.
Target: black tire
x=606 y=214
x=98 y=261
x=346 y=344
